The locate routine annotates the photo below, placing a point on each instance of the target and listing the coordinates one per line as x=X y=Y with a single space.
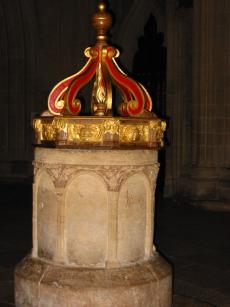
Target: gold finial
x=135 y=100
x=101 y=22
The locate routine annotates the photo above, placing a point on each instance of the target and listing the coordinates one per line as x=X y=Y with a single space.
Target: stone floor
x=196 y=242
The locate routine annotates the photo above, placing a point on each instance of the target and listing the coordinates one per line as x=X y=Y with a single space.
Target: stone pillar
x=210 y=176
x=93 y=228
x=179 y=98
x=198 y=47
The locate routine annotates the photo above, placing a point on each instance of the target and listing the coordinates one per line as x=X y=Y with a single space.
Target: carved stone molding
x=113 y=176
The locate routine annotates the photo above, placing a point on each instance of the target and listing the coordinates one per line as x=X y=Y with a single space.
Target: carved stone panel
x=91 y=211
x=46 y=218
x=86 y=220
x=132 y=219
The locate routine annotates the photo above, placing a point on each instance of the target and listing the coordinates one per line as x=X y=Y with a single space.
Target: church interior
x=180 y=51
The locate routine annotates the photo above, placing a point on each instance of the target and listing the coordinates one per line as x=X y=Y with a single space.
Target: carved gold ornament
x=100 y=131
x=136 y=125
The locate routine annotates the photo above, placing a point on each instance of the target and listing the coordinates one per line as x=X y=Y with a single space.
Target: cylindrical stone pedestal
x=93 y=214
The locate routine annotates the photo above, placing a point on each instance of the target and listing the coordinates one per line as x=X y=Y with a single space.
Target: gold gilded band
x=101 y=131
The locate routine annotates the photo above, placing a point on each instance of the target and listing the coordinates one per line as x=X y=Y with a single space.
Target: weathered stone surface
x=132 y=219
x=47 y=217
x=93 y=231
x=28 y=274
x=94 y=208
x=87 y=224
x=146 y=284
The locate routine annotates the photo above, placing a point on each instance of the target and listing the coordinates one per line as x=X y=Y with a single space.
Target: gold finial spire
x=101 y=22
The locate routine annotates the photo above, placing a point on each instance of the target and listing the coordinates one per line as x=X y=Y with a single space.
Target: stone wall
x=210 y=175
x=178 y=99
x=198 y=101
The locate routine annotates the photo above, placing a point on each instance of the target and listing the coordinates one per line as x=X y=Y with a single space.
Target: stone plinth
x=93 y=216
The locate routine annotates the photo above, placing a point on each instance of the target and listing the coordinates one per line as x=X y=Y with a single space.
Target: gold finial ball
x=101 y=6
x=101 y=22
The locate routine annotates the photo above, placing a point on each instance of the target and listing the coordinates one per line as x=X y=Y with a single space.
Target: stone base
x=43 y=284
